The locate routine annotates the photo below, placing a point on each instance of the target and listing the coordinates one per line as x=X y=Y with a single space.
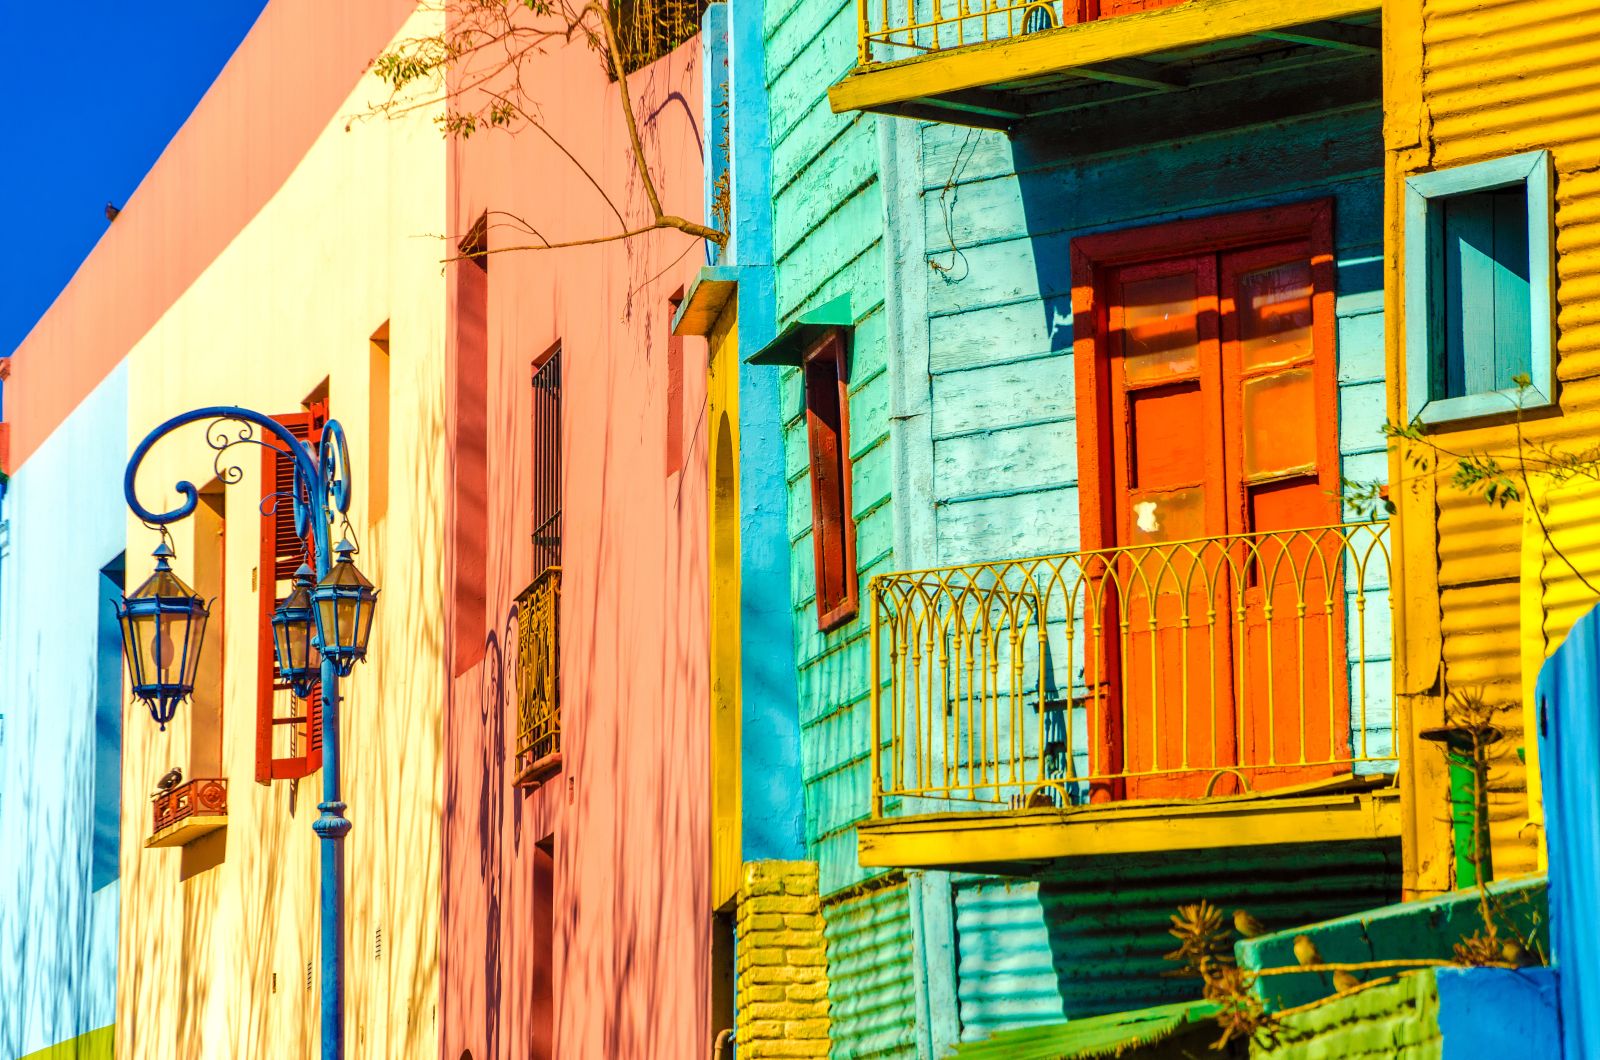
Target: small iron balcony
x=187 y=812
x=995 y=63
x=1221 y=666
x=538 y=755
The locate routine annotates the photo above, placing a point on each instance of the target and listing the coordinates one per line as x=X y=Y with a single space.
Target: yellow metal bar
x=957 y=841
x=962 y=680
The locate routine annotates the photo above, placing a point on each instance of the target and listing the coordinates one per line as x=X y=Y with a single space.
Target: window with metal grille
x=282 y=552
x=648 y=29
x=545 y=460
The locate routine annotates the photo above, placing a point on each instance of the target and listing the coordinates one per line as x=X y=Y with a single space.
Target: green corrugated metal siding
x=1092 y=942
x=1395 y=1022
x=828 y=241
x=872 y=996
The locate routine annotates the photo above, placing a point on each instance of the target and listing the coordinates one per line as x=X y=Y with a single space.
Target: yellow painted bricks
x=782 y=973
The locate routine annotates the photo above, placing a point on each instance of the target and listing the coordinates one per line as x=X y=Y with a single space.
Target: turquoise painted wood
x=871 y=989
x=1093 y=941
x=827 y=217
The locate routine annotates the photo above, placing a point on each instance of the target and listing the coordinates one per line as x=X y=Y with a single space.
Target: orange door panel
x=1282 y=466
x=1169 y=669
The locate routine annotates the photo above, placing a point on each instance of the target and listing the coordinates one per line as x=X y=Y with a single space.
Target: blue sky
x=98 y=90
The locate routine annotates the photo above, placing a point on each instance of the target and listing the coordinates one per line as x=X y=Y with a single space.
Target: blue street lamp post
x=319 y=632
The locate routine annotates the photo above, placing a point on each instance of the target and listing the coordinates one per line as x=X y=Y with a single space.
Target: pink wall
x=629 y=813
x=247 y=134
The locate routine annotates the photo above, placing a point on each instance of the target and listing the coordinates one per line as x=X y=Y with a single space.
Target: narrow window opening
x=210 y=563
x=674 y=445
x=543 y=998
x=470 y=453
x=546 y=461
x=107 y=727
x=378 y=412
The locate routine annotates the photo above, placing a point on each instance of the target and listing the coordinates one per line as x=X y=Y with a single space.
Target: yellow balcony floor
x=186 y=831
x=1201 y=43
x=1341 y=810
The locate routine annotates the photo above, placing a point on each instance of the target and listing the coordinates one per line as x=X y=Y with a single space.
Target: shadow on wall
x=48 y=916
x=629 y=872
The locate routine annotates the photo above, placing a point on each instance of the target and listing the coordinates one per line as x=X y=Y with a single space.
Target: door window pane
x=1274 y=307
x=1173 y=515
x=1161 y=334
x=1280 y=423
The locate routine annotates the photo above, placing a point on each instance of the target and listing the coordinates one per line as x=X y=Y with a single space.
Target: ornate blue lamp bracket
x=320 y=492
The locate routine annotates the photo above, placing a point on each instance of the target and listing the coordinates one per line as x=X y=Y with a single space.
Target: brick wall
x=782 y=969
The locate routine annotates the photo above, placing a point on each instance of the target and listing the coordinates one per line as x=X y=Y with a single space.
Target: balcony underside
x=183 y=832
x=1020 y=842
x=1250 y=45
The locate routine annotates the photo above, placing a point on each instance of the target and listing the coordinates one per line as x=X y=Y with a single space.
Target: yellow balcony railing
x=898 y=29
x=539 y=680
x=1184 y=669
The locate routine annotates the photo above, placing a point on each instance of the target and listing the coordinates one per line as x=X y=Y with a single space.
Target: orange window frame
x=1094 y=262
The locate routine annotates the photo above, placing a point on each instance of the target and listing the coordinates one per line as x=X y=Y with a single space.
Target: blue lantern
x=294 y=636
x=163 y=625
x=344 y=601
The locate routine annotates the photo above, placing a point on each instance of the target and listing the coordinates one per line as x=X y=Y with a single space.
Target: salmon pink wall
x=244 y=138
x=627 y=819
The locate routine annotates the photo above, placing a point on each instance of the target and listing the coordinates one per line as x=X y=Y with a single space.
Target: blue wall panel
x=58 y=934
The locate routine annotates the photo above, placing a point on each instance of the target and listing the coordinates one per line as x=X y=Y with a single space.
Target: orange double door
x=1222 y=646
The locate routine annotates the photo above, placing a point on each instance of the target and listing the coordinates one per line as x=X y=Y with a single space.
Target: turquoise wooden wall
x=828 y=230
x=985 y=326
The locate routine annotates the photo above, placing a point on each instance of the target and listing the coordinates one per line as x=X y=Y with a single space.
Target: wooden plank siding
x=828 y=241
x=1496 y=78
x=998 y=218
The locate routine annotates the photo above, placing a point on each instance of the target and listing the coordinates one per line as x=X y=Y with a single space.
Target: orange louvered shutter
x=280 y=757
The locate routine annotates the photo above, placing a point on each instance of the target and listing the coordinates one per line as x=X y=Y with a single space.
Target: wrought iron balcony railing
x=899 y=29
x=539 y=680
x=188 y=811
x=1186 y=669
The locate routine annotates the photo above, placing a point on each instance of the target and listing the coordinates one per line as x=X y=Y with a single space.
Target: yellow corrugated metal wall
x=1470 y=80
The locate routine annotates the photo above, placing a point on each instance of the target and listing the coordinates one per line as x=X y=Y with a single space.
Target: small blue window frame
x=1424 y=230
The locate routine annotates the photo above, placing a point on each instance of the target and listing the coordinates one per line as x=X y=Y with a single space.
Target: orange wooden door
x=1282 y=452
x=1168 y=665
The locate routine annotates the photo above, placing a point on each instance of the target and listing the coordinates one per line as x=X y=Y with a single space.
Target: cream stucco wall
x=217 y=938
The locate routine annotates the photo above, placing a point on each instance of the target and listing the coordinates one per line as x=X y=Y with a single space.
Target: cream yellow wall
x=216 y=938
x=722 y=403
x=1466 y=81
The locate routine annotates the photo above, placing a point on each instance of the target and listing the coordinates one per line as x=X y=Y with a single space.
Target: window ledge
x=1495 y=404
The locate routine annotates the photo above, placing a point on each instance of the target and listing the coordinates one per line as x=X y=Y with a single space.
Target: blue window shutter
x=1485 y=279
x=1513 y=328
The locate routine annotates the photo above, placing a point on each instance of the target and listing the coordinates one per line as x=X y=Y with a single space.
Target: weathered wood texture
x=999 y=216
x=1497 y=78
x=828 y=233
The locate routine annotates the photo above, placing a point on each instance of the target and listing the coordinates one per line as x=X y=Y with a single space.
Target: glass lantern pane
x=130 y=648
x=364 y=630
x=347 y=621
x=327 y=622
x=1161 y=329
x=156 y=648
x=196 y=640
